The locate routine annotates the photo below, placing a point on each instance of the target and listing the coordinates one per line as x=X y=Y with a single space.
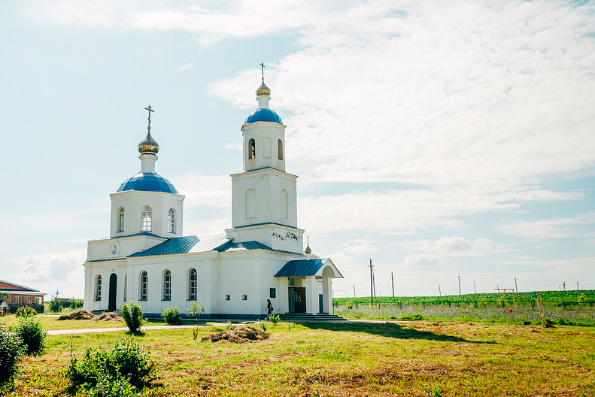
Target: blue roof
x=147 y=182
x=183 y=245
x=300 y=268
x=247 y=245
x=262 y=114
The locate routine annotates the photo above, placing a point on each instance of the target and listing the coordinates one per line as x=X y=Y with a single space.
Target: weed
x=263 y=325
x=274 y=319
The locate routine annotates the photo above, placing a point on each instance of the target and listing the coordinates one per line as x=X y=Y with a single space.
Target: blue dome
x=262 y=114
x=147 y=182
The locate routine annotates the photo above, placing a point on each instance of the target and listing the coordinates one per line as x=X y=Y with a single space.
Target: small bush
x=118 y=372
x=55 y=305
x=413 y=317
x=11 y=351
x=75 y=303
x=133 y=316
x=32 y=333
x=25 y=311
x=274 y=319
x=172 y=316
x=263 y=325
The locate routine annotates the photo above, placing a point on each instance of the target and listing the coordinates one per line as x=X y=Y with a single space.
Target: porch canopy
x=309 y=267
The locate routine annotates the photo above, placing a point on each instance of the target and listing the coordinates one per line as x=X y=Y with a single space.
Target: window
x=167 y=285
x=244 y=297
x=273 y=293
x=143 y=285
x=125 y=286
x=250 y=204
x=280 y=149
x=121 y=220
x=227 y=297
x=146 y=218
x=251 y=149
x=171 y=221
x=192 y=285
x=98 y=288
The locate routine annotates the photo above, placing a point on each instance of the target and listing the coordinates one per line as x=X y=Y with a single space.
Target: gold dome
x=263 y=90
x=308 y=250
x=148 y=145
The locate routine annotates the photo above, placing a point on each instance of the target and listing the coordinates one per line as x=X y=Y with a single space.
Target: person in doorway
x=269 y=307
x=297 y=301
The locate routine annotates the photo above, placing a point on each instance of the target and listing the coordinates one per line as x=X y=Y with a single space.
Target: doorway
x=300 y=305
x=113 y=286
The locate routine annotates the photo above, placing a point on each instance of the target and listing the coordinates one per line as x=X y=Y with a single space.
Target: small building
x=4 y=308
x=19 y=295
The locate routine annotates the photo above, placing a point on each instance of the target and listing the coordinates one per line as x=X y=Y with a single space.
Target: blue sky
x=438 y=138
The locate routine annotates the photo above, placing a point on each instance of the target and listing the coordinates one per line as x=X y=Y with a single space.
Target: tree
x=55 y=303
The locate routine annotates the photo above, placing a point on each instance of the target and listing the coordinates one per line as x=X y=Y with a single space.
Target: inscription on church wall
x=287 y=236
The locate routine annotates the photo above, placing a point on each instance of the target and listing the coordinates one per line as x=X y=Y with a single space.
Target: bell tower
x=264 y=196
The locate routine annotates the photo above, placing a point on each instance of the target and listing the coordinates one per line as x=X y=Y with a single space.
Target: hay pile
x=236 y=334
x=79 y=314
x=108 y=317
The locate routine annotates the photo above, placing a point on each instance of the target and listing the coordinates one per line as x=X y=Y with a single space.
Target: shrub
x=11 y=351
x=55 y=304
x=263 y=325
x=413 y=317
x=172 y=315
x=274 y=319
x=75 y=303
x=32 y=333
x=117 y=372
x=25 y=311
x=133 y=316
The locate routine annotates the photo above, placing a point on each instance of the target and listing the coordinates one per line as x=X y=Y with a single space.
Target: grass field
x=352 y=359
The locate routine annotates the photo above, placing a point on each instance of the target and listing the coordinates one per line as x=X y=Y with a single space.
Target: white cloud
x=185 y=67
x=205 y=190
x=578 y=226
x=454 y=246
x=423 y=260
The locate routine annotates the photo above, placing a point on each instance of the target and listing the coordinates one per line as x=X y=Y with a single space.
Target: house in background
x=19 y=295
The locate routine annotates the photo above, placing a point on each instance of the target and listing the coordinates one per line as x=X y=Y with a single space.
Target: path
x=144 y=328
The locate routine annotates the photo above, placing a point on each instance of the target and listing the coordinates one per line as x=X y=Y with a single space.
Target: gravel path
x=100 y=330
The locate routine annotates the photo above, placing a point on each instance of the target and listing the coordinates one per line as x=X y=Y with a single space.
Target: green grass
x=336 y=359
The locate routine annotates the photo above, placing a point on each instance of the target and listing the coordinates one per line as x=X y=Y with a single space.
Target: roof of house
x=10 y=286
x=307 y=267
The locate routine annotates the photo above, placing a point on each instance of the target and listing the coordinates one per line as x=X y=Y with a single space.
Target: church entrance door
x=297 y=305
x=113 y=285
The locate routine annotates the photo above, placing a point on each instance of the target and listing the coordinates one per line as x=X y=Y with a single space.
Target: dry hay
x=79 y=314
x=236 y=334
x=109 y=317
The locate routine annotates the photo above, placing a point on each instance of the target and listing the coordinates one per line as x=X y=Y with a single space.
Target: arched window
x=192 y=285
x=167 y=285
x=171 y=221
x=266 y=147
x=143 y=286
x=280 y=149
x=251 y=149
x=125 y=287
x=147 y=218
x=283 y=204
x=121 y=220
x=98 y=287
x=250 y=204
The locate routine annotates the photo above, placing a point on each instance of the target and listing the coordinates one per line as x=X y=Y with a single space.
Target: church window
x=192 y=285
x=280 y=149
x=273 y=293
x=250 y=204
x=121 y=220
x=144 y=284
x=266 y=147
x=171 y=221
x=251 y=149
x=167 y=285
x=147 y=218
x=244 y=297
x=98 y=288
x=283 y=204
x=227 y=297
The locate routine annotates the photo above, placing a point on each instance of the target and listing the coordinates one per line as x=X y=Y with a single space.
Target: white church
x=148 y=260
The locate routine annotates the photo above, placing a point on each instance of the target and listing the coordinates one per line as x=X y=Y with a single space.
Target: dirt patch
x=241 y=334
x=109 y=317
x=79 y=314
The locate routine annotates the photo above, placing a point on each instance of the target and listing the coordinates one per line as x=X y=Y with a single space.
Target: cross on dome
x=148 y=145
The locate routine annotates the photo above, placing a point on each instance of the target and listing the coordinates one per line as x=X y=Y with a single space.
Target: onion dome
x=148 y=145
x=263 y=89
x=147 y=182
x=308 y=250
x=263 y=114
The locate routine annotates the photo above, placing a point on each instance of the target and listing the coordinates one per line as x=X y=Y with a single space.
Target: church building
x=148 y=260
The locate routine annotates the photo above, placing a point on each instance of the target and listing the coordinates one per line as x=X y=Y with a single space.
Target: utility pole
x=392 y=280
x=516 y=287
x=354 y=295
x=371 y=282
x=474 y=288
x=577 y=288
x=563 y=285
x=439 y=291
x=459 y=284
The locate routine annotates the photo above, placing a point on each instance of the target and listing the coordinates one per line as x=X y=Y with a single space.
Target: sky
x=438 y=138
